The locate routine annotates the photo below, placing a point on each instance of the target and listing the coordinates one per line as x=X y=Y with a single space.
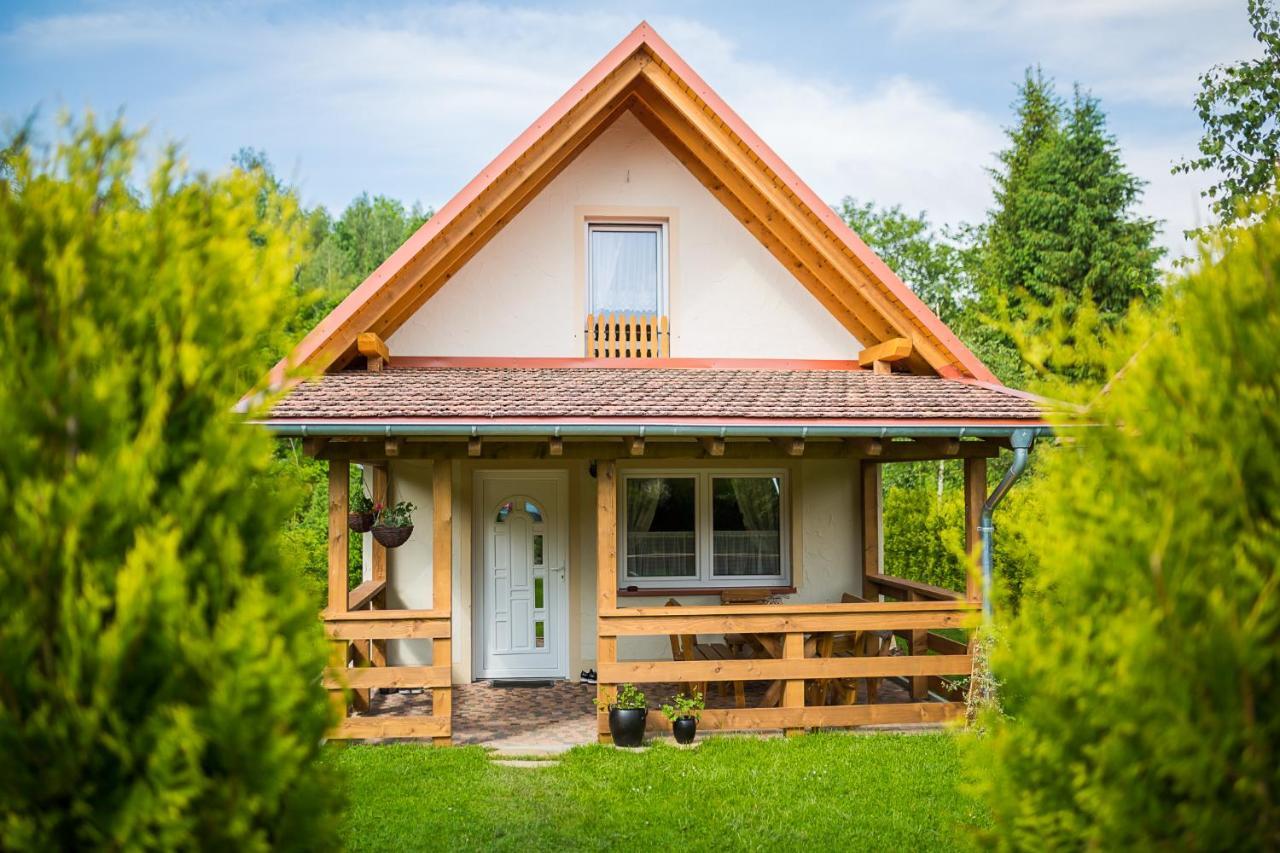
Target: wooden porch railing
x=920 y=642
x=627 y=336
x=793 y=622
x=358 y=637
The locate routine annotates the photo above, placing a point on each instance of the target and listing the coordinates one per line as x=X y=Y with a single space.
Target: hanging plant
x=361 y=513
x=393 y=524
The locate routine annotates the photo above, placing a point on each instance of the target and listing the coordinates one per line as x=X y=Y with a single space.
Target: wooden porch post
x=378 y=648
x=975 y=493
x=871 y=526
x=606 y=583
x=442 y=586
x=339 y=474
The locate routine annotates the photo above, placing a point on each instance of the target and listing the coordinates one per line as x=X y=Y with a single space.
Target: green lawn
x=818 y=792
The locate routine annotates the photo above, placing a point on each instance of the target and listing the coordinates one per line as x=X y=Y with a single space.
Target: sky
x=901 y=102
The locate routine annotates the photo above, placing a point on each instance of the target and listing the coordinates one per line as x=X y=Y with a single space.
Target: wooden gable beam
x=845 y=279
x=881 y=356
x=374 y=349
x=419 y=279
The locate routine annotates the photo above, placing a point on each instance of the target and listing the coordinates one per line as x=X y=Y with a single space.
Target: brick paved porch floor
x=551 y=719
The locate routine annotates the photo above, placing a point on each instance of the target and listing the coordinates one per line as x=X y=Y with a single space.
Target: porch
x=803 y=664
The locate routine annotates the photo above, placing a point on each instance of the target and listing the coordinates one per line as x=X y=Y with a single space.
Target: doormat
x=519 y=682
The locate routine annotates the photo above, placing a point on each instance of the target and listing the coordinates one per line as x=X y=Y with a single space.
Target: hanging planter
x=361 y=522
x=394 y=524
x=361 y=514
x=391 y=537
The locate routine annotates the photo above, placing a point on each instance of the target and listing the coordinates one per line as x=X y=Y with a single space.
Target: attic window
x=627 y=289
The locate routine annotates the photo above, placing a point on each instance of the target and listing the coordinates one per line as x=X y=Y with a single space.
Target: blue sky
x=897 y=102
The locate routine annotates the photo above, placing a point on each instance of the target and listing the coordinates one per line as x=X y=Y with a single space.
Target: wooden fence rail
x=798 y=662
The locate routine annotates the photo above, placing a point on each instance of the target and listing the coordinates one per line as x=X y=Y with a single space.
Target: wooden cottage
x=638 y=363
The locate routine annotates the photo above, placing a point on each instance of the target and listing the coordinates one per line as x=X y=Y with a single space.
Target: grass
x=817 y=792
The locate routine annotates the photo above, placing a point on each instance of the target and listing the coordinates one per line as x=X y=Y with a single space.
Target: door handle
x=559 y=572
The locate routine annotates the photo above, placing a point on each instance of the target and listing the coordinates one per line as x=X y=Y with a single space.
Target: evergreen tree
x=1063 y=248
x=159 y=670
x=1141 y=676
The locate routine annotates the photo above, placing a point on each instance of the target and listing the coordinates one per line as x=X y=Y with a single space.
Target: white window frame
x=658 y=226
x=703 y=513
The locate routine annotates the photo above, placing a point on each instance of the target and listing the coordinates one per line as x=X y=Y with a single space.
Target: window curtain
x=758 y=501
x=624 y=271
x=756 y=548
x=642 y=503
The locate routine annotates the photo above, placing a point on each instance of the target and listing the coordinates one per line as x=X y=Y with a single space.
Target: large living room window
x=705 y=529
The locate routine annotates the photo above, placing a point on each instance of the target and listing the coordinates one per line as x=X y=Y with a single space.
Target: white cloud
x=413 y=102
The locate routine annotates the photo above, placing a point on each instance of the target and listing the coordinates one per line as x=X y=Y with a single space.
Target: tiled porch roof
x=648 y=393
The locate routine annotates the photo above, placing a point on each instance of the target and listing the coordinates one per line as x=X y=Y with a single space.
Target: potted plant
x=683 y=712
x=361 y=513
x=394 y=524
x=627 y=716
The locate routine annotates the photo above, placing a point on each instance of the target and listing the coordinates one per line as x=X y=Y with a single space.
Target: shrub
x=158 y=667
x=1142 y=676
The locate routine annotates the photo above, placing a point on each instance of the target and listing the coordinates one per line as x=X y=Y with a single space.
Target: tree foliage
x=158 y=668
x=1063 y=249
x=1141 y=676
x=1239 y=105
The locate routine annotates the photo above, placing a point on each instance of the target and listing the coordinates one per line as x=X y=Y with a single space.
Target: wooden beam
x=339 y=486
x=390 y=676
x=374 y=349
x=790 y=446
x=953 y=662
x=416 y=726
x=387 y=629
x=364 y=593
x=871 y=523
x=392 y=446
x=475 y=446
x=793 y=688
x=975 y=494
x=887 y=352
x=818 y=716
x=555 y=446
x=442 y=583
x=635 y=445
x=314 y=445
x=496 y=205
x=714 y=446
x=378 y=561
x=923 y=449
x=606 y=534
x=606 y=583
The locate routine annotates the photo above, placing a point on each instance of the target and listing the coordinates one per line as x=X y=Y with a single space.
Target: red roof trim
x=642 y=36
x=626 y=363
x=706 y=422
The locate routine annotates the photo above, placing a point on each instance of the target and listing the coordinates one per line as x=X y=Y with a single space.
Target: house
x=637 y=361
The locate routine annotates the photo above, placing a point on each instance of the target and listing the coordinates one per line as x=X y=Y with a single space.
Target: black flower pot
x=685 y=729
x=361 y=522
x=391 y=537
x=627 y=725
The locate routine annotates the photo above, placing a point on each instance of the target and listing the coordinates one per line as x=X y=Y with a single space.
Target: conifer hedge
x=159 y=667
x=1141 y=678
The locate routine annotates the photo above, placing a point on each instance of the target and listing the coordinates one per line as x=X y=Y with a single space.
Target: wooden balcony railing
x=798 y=626
x=921 y=642
x=627 y=336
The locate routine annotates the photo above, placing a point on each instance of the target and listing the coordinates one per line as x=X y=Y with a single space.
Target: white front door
x=523 y=607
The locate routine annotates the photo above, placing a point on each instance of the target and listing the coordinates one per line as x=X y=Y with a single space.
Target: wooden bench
x=687 y=647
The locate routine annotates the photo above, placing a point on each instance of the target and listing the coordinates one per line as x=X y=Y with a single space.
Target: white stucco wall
x=523 y=294
x=826 y=504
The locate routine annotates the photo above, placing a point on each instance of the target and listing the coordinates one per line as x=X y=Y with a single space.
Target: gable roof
x=644 y=75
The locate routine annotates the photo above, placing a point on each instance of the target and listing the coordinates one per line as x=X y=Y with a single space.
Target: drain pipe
x=1021 y=439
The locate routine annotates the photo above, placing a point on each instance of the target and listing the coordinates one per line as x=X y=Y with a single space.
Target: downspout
x=1021 y=439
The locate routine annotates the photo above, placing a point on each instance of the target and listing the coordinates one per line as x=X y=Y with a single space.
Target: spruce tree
x=1064 y=250
x=159 y=666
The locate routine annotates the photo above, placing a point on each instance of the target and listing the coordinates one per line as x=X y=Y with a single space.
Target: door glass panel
x=537 y=593
x=660 y=527
x=540 y=634
x=537 y=549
